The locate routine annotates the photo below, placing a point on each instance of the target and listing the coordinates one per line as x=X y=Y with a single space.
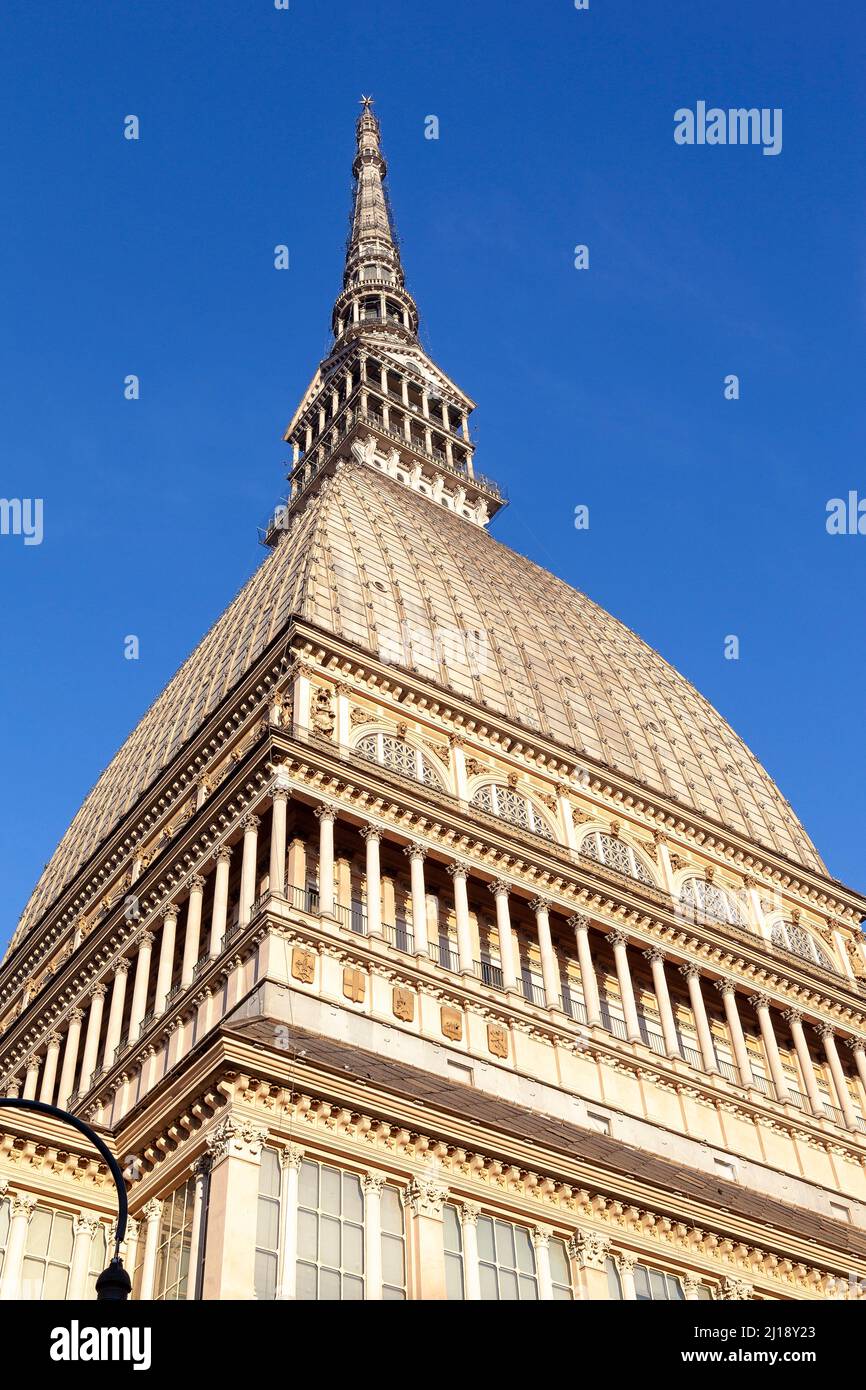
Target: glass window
x=268 y=1226
x=330 y=1234
x=656 y=1286
x=702 y=901
x=791 y=937
x=453 y=1253
x=614 y=1285
x=393 y=1247
x=512 y=806
x=560 y=1270
x=399 y=755
x=506 y=1261
x=175 y=1242
x=98 y=1258
x=48 y=1255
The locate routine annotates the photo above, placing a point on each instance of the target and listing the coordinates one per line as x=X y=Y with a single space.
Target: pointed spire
x=374 y=294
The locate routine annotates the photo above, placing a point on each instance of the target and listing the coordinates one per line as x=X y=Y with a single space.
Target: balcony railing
x=488 y=973
x=444 y=956
x=399 y=936
x=833 y=1113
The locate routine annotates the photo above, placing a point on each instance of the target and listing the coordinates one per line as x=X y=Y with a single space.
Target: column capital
x=54 y=1039
x=372 y=1183
x=540 y=1236
x=121 y=967
x=197 y=883
x=22 y=1204
x=759 y=1001
x=145 y=938
x=426 y=1196
x=222 y=854
x=97 y=991
x=736 y=1290
x=691 y=1283
x=616 y=938
x=75 y=1015
x=325 y=811
x=236 y=1139
x=579 y=922
x=625 y=1260
x=250 y=822
x=590 y=1249
x=415 y=851
x=540 y=905
x=793 y=1016
x=370 y=833
x=459 y=869
x=825 y=1030
x=725 y=986
x=201 y=1166
x=690 y=971
x=292 y=1156
x=152 y=1210
x=856 y=1044
x=499 y=888
x=655 y=953
x=169 y=910
x=83 y=1225
x=469 y=1213
x=280 y=792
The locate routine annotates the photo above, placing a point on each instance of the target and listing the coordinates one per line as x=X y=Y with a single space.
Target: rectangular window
x=175 y=1242
x=268 y=1226
x=48 y=1255
x=560 y=1270
x=656 y=1286
x=453 y=1253
x=330 y=1234
x=506 y=1261
x=393 y=1246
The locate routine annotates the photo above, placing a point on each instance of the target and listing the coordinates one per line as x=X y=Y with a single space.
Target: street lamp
x=113 y=1284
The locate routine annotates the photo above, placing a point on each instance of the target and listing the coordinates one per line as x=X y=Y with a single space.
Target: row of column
x=84 y=1228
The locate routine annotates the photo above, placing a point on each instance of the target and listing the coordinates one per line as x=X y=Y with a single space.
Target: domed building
x=432 y=916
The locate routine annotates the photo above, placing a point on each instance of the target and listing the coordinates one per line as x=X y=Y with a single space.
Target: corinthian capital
x=415 y=851
x=426 y=1196
x=540 y=905
x=589 y=1249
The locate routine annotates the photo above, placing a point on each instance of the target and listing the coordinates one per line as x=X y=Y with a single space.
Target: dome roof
x=388 y=570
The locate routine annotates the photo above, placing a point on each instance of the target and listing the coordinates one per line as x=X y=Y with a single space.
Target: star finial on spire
x=366 y=102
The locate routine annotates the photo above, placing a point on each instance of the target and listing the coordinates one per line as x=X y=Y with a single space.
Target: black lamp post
x=113 y=1284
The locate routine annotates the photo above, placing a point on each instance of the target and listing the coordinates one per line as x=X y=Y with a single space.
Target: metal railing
x=574 y=1006
x=201 y=965
x=444 y=956
x=399 y=936
x=729 y=1071
x=488 y=973
x=122 y=1047
x=354 y=917
x=533 y=992
x=833 y=1113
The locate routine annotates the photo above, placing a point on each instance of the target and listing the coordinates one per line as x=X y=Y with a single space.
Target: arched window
x=614 y=854
x=511 y=806
x=701 y=900
x=396 y=753
x=791 y=937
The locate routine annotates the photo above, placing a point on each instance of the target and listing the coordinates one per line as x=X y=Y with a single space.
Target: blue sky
x=601 y=387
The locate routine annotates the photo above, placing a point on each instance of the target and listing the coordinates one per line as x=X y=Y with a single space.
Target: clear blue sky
x=602 y=387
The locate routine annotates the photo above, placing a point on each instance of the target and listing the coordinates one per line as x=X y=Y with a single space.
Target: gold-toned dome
x=406 y=580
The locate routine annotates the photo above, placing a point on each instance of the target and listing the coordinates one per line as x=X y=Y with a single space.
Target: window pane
x=329 y=1241
x=614 y=1287
x=308 y=1235
x=641 y=1282
x=32 y=1272
x=267 y=1232
x=559 y=1263
x=269 y=1174
x=486 y=1248
x=266 y=1275
x=528 y=1288
x=454 y=1276
x=453 y=1233
x=392 y=1259
x=61 y=1239
x=658 y=1285
x=393 y=1295
x=505 y=1245
x=353 y=1289
x=306 y=1281
x=525 y=1252
x=39 y=1232
x=330 y=1199
x=308 y=1185
x=329 y=1285
x=508 y=1285
x=489 y=1287
x=353 y=1198
x=392 y=1212
x=353 y=1249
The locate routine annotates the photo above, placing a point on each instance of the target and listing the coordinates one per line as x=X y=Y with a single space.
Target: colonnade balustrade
x=445 y=918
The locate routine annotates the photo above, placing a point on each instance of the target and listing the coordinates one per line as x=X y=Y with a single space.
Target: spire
x=374 y=294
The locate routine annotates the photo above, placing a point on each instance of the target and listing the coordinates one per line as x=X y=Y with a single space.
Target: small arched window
x=512 y=806
x=400 y=756
x=792 y=937
x=701 y=900
x=614 y=854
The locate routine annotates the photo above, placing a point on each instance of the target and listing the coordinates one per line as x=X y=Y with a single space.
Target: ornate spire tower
x=378 y=396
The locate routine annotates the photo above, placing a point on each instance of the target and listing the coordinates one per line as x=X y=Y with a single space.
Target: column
x=91 y=1037
x=417 y=854
x=762 y=1004
x=458 y=872
x=566 y=815
x=794 y=1018
x=458 y=766
x=70 y=1058
x=469 y=1214
x=857 y=1046
x=201 y=1172
x=656 y=957
x=277 y=865
x=31 y=1080
x=49 y=1073
x=587 y=969
x=589 y=1251
x=84 y=1228
x=371 y=836
x=372 y=1184
x=541 y=1241
x=115 y=1012
x=619 y=941
x=248 y=868
x=549 y=962
x=230 y=1251
x=827 y=1033
x=426 y=1198
x=326 y=816
x=691 y=1288
x=142 y=979
x=728 y=991
x=22 y=1205
x=192 y=936
x=291 y=1158
x=500 y=893
x=220 y=907
x=702 y=1023
x=165 y=968
x=152 y=1214
x=625 y=1262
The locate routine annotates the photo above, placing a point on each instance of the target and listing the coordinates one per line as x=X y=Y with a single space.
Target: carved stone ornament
x=354 y=984
x=404 y=1004
x=233 y=1138
x=324 y=720
x=589 y=1249
x=426 y=1197
x=303 y=965
x=452 y=1024
x=497 y=1039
